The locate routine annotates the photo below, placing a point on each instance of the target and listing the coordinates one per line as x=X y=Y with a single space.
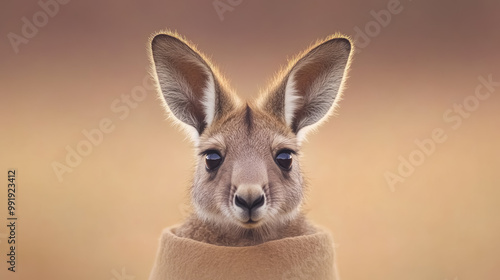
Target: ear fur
x=307 y=91
x=192 y=90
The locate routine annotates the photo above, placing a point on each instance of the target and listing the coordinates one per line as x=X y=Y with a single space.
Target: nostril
x=240 y=202
x=258 y=202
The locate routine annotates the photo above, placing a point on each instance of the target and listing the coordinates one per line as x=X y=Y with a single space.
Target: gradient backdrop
x=103 y=219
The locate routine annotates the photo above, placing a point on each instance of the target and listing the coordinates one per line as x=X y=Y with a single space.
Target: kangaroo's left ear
x=311 y=88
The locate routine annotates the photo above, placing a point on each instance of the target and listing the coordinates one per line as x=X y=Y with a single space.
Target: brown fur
x=248 y=136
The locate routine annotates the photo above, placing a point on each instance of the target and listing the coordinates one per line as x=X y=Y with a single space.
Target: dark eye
x=212 y=160
x=284 y=160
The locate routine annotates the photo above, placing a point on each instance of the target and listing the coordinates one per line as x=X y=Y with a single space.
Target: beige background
x=442 y=222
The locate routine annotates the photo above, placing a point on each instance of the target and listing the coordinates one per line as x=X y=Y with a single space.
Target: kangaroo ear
x=188 y=84
x=311 y=86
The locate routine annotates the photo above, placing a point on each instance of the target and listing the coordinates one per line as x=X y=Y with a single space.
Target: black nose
x=249 y=204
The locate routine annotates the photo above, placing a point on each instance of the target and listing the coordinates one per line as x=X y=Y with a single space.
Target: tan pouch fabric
x=302 y=257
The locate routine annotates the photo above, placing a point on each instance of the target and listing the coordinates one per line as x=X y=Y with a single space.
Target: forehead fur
x=251 y=123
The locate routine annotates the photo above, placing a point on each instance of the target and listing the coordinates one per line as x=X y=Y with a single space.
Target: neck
x=234 y=235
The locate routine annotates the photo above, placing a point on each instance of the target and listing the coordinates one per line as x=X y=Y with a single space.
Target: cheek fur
x=211 y=190
x=285 y=189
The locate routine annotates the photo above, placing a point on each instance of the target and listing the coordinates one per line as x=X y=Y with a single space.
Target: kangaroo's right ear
x=188 y=84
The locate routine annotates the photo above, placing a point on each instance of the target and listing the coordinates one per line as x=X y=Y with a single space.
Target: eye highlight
x=284 y=159
x=212 y=160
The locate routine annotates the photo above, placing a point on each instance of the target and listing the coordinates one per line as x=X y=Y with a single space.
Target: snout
x=250 y=205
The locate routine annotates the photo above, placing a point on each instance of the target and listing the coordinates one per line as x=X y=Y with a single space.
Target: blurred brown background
x=103 y=219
